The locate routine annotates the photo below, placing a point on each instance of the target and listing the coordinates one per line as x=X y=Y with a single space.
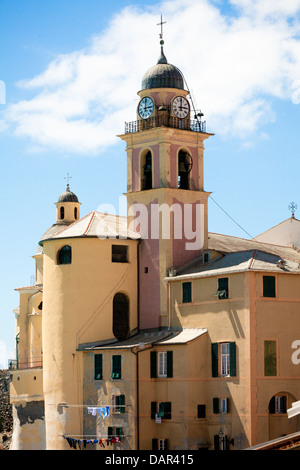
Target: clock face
x=180 y=107
x=146 y=107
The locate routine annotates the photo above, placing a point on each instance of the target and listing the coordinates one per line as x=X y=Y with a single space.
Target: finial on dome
x=162 y=59
x=68 y=177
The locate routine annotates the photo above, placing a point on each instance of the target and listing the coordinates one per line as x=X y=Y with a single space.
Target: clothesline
x=88 y=406
x=92 y=436
x=80 y=441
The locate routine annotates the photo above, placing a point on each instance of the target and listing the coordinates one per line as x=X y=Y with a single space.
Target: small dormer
x=67 y=207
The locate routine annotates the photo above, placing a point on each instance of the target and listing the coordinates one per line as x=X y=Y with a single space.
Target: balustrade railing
x=167 y=121
x=27 y=363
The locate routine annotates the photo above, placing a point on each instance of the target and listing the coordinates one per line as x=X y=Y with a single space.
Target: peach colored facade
x=149 y=332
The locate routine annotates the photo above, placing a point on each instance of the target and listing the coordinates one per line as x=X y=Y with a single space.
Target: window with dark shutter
x=98 y=367
x=214 y=359
x=153 y=364
x=116 y=367
x=153 y=409
x=201 y=411
x=269 y=288
x=186 y=292
x=216 y=405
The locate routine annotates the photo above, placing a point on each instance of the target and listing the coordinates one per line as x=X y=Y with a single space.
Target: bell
x=182 y=167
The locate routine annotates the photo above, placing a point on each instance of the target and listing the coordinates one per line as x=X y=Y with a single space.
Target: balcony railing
x=28 y=363
x=167 y=121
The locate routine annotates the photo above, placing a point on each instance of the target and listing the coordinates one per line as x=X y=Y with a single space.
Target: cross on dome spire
x=162 y=59
x=68 y=177
x=161 y=29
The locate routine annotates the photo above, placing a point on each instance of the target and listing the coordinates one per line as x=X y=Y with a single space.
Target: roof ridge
x=253 y=240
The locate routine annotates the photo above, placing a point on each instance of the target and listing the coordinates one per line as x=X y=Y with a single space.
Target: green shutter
x=169 y=363
x=119 y=432
x=167 y=410
x=153 y=409
x=270 y=358
x=122 y=403
x=201 y=411
x=154 y=444
x=116 y=367
x=153 y=365
x=186 y=292
x=214 y=359
x=98 y=367
x=216 y=405
x=232 y=359
x=269 y=289
x=161 y=410
x=216 y=442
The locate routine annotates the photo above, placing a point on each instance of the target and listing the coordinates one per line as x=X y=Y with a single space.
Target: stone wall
x=6 y=419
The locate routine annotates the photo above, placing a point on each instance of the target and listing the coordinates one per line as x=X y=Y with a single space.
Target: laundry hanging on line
x=103 y=411
x=82 y=443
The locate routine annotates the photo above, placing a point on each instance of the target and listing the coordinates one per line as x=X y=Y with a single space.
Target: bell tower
x=166 y=201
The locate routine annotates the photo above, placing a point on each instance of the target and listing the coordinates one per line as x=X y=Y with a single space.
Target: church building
x=148 y=332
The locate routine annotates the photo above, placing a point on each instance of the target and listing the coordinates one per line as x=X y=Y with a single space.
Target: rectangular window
x=223 y=406
x=186 y=292
x=269 y=287
x=159 y=444
x=161 y=364
x=119 y=253
x=98 y=372
x=116 y=367
x=270 y=358
x=223 y=290
x=118 y=403
x=162 y=444
x=115 y=432
x=223 y=359
x=201 y=411
x=280 y=404
x=220 y=405
x=163 y=411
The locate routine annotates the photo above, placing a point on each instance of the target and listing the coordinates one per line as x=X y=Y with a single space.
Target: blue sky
x=72 y=69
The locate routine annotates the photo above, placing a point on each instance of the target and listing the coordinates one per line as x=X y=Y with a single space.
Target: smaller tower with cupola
x=166 y=200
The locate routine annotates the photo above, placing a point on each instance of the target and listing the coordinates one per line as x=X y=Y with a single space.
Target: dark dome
x=163 y=75
x=68 y=196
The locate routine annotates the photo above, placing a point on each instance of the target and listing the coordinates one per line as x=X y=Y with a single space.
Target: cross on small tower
x=68 y=177
x=161 y=26
x=292 y=208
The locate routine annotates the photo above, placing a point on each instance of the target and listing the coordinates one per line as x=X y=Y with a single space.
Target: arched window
x=64 y=255
x=75 y=213
x=146 y=171
x=184 y=169
x=120 y=316
x=62 y=212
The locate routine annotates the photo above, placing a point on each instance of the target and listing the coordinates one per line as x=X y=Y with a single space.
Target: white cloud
x=233 y=65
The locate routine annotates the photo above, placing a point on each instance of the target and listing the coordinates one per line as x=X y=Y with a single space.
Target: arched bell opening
x=121 y=316
x=185 y=164
x=146 y=171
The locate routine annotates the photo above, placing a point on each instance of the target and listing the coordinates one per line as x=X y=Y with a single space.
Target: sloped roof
x=230 y=244
x=237 y=255
x=95 y=224
x=149 y=337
